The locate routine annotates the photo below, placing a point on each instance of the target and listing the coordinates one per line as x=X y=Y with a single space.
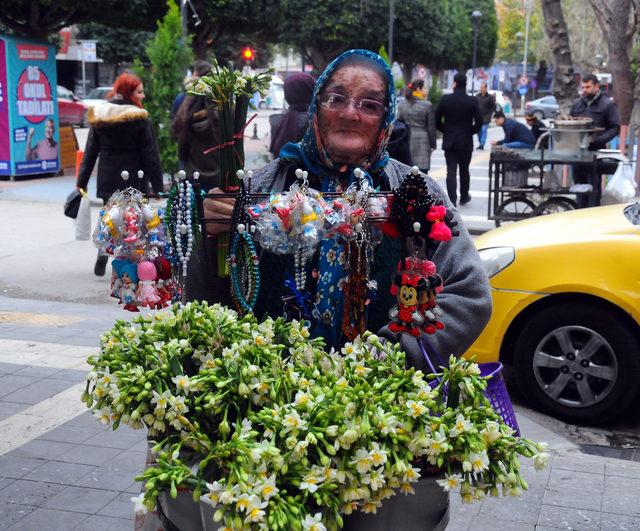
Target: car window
x=547 y=101
x=99 y=93
x=64 y=93
x=632 y=213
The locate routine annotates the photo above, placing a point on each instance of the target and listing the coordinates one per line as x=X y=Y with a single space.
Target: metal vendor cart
x=533 y=182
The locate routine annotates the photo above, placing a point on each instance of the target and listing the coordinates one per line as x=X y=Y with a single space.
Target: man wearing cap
x=516 y=135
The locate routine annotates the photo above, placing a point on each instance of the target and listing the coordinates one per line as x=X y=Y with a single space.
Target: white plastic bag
x=622 y=186
x=83 y=220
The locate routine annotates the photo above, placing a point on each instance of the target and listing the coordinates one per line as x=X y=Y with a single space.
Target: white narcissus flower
x=255 y=510
x=411 y=475
x=462 y=425
x=103 y=415
x=362 y=461
x=378 y=455
x=375 y=479
x=479 y=461
x=303 y=399
x=540 y=460
x=437 y=444
x=267 y=488
x=491 y=432
x=451 y=481
x=342 y=383
x=182 y=383
x=332 y=430
x=416 y=409
x=313 y=523
x=161 y=400
x=310 y=482
x=243 y=502
x=140 y=506
x=406 y=489
x=293 y=422
x=371 y=507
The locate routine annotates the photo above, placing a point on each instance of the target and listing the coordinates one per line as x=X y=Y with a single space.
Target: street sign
x=89 y=51
x=422 y=73
x=523 y=90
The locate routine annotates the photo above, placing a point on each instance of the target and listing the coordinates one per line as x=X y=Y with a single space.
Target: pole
x=526 y=49
x=183 y=15
x=391 y=17
x=84 y=80
x=473 y=65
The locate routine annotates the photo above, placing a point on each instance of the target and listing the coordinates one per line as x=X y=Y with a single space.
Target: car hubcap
x=575 y=366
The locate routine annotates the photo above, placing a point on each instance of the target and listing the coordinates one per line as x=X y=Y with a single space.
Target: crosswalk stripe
x=40 y=418
x=40 y=354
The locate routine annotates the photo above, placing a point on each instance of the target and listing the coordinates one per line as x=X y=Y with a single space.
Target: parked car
x=542 y=108
x=566 y=309
x=97 y=96
x=71 y=111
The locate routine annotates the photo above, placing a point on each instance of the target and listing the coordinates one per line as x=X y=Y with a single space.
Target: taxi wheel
x=579 y=362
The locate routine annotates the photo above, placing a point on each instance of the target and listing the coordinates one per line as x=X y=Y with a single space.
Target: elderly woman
x=350 y=119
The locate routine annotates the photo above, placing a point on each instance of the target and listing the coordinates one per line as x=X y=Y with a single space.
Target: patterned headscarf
x=310 y=152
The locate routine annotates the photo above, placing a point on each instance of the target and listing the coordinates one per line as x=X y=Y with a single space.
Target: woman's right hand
x=221 y=208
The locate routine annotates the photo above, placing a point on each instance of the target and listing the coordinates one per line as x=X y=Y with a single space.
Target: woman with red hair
x=121 y=134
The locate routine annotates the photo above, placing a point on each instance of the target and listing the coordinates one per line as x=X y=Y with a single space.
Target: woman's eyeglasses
x=339 y=102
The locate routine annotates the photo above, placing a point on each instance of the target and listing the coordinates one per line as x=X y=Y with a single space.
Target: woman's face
x=349 y=135
x=138 y=94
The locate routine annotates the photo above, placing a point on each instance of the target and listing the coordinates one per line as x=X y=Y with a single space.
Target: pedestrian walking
x=487 y=103
x=122 y=136
x=291 y=126
x=417 y=112
x=604 y=113
x=458 y=116
x=516 y=135
x=195 y=129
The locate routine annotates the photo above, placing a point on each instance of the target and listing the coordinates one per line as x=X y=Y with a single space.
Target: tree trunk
x=201 y=42
x=618 y=28
x=564 y=83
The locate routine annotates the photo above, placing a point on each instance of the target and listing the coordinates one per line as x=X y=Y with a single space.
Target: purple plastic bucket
x=498 y=395
x=496 y=392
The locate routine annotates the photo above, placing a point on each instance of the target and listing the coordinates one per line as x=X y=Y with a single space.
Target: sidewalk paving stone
x=10 y=513
x=8 y=409
x=48 y=519
x=16 y=467
x=71 y=434
x=119 y=507
x=88 y=455
x=39 y=448
x=81 y=499
x=59 y=472
x=104 y=523
x=33 y=493
x=581 y=519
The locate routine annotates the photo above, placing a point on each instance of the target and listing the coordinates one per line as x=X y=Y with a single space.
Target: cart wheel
x=554 y=205
x=514 y=209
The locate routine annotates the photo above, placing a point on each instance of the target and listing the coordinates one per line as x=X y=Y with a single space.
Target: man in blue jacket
x=516 y=135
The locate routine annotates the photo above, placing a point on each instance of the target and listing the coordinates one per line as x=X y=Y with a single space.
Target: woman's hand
x=221 y=208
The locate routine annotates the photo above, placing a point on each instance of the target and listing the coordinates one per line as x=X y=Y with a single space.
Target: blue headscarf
x=310 y=153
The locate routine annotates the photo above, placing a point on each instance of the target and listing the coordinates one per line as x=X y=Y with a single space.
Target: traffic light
x=248 y=54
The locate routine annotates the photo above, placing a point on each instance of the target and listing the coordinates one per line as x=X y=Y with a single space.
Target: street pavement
x=60 y=469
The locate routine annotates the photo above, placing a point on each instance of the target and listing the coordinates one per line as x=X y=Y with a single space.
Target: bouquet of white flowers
x=286 y=435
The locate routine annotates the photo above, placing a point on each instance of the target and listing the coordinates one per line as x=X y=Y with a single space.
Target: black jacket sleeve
x=439 y=116
x=431 y=127
x=477 y=118
x=612 y=127
x=150 y=157
x=91 y=151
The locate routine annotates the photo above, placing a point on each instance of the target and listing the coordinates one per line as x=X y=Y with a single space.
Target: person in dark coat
x=291 y=126
x=399 y=146
x=516 y=135
x=122 y=136
x=487 y=103
x=604 y=113
x=537 y=127
x=195 y=128
x=458 y=116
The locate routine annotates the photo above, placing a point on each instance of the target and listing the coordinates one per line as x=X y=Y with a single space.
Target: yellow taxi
x=566 y=309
